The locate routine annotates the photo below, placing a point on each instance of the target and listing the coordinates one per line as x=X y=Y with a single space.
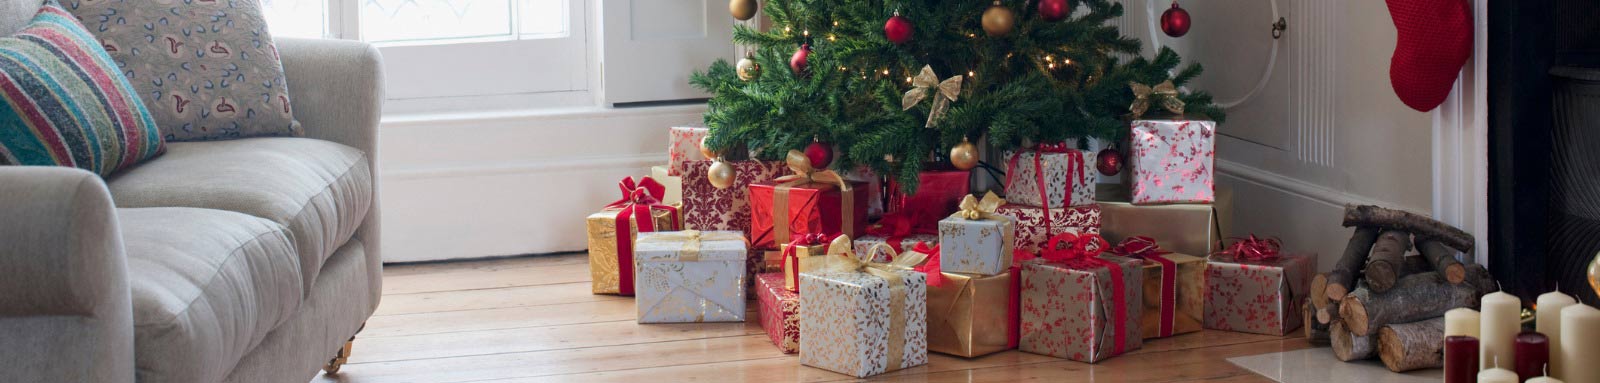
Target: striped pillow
x=66 y=103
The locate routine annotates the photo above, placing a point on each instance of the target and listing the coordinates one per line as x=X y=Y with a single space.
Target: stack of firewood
x=1381 y=301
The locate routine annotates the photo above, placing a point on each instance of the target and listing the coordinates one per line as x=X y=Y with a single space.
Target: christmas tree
x=838 y=71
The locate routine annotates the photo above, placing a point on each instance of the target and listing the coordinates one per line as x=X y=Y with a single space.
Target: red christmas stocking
x=1435 y=41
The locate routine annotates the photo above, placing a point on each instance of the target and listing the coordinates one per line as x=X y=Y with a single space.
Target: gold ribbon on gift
x=805 y=173
x=1164 y=92
x=842 y=259
x=944 y=93
x=690 y=240
x=974 y=209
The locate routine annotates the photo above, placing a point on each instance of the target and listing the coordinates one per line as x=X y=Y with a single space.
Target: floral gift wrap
x=683 y=148
x=863 y=318
x=708 y=208
x=1253 y=288
x=1052 y=176
x=1035 y=225
x=1172 y=161
x=691 y=276
x=1174 y=288
x=779 y=313
x=1079 y=304
x=611 y=233
x=977 y=240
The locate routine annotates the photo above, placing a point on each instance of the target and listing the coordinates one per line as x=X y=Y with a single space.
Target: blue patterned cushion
x=66 y=104
x=207 y=68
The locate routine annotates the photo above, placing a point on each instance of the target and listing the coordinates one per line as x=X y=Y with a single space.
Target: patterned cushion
x=207 y=68
x=65 y=102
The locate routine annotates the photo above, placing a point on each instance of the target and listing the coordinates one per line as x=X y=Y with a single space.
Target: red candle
x=1460 y=359
x=1533 y=352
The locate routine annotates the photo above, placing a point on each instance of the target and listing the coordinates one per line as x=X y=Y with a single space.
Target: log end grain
x=1353 y=314
x=1319 y=289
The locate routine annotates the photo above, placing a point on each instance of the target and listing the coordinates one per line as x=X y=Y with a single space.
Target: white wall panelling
x=1461 y=144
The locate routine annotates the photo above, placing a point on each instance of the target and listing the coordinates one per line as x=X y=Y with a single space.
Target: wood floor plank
x=476 y=279
x=392 y=270
x=491 y=298
x=526 y=339
x=567 y=361
x=500 y=318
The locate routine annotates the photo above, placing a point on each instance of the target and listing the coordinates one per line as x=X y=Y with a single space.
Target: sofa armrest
x=336 y=89
x=64 y=278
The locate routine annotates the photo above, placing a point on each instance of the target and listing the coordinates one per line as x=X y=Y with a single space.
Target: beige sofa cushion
x=319 y=190
x=207 y=287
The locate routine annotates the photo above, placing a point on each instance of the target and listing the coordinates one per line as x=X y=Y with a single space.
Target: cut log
x=1319 y=291
x=1316 y=333
x=1479 y=278
x=1348 y=268
x=1414 y=298
x=1387 y=262
x=1443 y=260
x=1412 y=346
x=1347 y=346
x=1327 y=315
x=1368 y=215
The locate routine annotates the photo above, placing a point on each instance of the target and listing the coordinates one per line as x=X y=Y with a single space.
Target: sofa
x=250 y=260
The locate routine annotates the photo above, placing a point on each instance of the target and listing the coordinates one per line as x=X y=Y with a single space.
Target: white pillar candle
x=1548 y=322
x=1497 y=375
x=1544 y=379
x=1498 y=327
x=1580 y=344
x=1461 y=321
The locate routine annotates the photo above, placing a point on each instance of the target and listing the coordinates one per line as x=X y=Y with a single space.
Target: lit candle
x=1533 y=352
x=1580 y=343
x=1498 y=327
x=1460 y=359
x=1461 y=321
x=1547 y=321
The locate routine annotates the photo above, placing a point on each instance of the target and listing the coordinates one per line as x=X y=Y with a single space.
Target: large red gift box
x=804 y=208
x=779 y=313
x=939 y=193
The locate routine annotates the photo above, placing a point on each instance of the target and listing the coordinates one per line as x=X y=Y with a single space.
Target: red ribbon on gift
x=1014 y=301
x=791 y=257
x=638 y=199
x=1082 y=253
x=895 y=227
x=1074 y=172
x=931 y=266
x=1142 y=247
x=1253 y=249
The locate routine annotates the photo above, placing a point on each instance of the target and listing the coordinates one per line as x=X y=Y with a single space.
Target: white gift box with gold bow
x=862 y=318
x=975 y=240
x=690 y=276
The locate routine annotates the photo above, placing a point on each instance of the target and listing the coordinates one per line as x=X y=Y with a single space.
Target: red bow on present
x=894 y=227
x=1059 y=147
x=931 y=267
x=1252 y=248
x=638 y=199
x=1074 y=172
x=1081 y=253
x=1145 y=248
x=791 y=258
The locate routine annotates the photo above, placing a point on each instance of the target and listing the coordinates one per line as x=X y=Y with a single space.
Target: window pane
x=544 y=18
x=295 y=18
x=413 y=20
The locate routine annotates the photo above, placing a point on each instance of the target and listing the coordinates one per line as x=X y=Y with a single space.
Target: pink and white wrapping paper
x=1173 y=161
x=1258 y=297
x=683 y=146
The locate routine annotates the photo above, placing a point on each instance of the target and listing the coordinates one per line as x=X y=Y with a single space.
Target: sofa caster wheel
x=339 y=358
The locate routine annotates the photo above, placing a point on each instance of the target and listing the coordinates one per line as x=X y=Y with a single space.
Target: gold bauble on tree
x=747 y=68
x=743 y=9
x=721 y=174
x=999 y=20
x=705 y=150
x=964 y=155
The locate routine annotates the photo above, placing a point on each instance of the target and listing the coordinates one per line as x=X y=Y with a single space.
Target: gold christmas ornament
x=721 y=174
x=706 y=150
x=1165 y=92
x=1594 y=274
x=999 y=20
x=743 y=9
x=748 y=68
x=964 y=155
x=944 y=93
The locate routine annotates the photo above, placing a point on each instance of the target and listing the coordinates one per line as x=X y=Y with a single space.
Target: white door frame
x=1461 y=144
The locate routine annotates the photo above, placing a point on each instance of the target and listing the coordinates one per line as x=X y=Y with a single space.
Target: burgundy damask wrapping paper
x=1032 y=233
x=780 y=312
x=1172 y=161
x=707 y=208
x=1068 y=310
x=1258 y=297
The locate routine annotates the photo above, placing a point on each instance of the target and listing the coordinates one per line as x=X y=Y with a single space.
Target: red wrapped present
x=1079 y=304
x=1036 y=225
x=1050 y=176
x=1172 y=161
x=779 y=313
x=810 y=201
x=1252 y=287
x=707 y=208
x=939 y=192
x=683 y=148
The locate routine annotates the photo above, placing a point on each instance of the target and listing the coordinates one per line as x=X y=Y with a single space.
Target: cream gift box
x=690 y=276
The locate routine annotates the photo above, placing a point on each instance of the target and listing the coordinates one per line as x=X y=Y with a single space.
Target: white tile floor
x=1317 y=365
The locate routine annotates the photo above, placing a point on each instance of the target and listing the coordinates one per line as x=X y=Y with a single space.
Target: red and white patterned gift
x=1051 y=176
x=683 y=147
x=1034 y=226
x=1080 y=304
x=1254 y=289
x=707 y=208
x=779 y=313
x=1172 y=161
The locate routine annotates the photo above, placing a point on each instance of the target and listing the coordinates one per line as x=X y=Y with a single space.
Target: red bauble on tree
x=1054 y=10
x=820 y=154
x=898 y=29
x=1175 y=21
x=1108 y=162
x=799 y=62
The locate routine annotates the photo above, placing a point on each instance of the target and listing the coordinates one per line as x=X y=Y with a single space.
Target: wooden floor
x=533 y=319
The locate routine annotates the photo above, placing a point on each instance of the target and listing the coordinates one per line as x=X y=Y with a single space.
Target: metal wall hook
x=1279 y=27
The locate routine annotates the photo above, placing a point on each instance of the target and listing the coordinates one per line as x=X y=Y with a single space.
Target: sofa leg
x=341 y=355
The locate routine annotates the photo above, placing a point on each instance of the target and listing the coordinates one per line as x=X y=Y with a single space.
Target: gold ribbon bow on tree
x=1164 y=92
x=946 y=92
x=974 y=209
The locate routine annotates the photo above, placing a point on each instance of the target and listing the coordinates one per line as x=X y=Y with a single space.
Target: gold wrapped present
x=1183 y=229
x=971 y=315
x=798 y=257
x=610 y=253
x=1174 y=288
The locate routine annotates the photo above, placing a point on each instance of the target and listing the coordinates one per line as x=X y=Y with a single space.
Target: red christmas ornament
x=798 y=63
x=1108 y=162
x=898 y=29
x=1175 y=21
x=1434 y=41
x=1054 y=10
x=820 y=154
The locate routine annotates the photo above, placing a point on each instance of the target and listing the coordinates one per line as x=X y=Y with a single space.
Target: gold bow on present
x=842 y=259
x=947 y=92
x=804 y=173
x=1164 y=92
x=690 y=252
x=974 y=209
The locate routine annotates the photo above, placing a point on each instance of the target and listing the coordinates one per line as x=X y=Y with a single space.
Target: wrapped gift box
x=865 y=244
x=1172 y=161
x=707 y=208
x=805 y=208
x=1034 y=226
x=691 y=276
x=779 y=313
x=613 y=230
x=1067 y=178
x=972 y=315
x=1174 y=302
x=673 y=183
x=1257 y=296
x=1071 y=309
x=800 y=256
x=938 y=194
x=1181 y=228
x=683 y=148
x=863 y=324
x=977 y=240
